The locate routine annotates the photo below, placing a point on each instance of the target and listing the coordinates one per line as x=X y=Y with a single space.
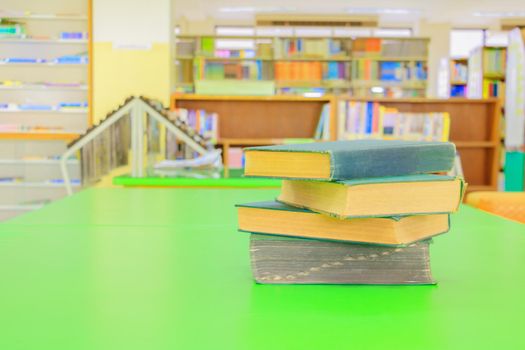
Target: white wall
x=131 y=21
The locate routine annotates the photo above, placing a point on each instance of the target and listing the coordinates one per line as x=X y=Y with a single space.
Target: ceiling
x=457 y=12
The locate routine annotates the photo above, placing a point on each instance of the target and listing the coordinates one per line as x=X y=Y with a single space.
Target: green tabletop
x=166 y=269
x=235 y=179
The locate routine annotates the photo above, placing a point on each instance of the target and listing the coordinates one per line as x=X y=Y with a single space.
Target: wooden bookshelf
x=360 y=66
x=474 y=128
x=261 y=117
x=51 y=79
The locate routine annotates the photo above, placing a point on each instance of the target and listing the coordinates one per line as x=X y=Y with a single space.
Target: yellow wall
x=119 y=73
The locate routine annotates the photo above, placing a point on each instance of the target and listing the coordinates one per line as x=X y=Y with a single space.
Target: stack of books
x=350 y=212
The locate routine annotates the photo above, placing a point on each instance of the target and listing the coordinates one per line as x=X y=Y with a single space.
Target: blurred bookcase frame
x=32 y=138
x=261 y=117
x=486 y=72
x=474 y=128
x=296 y=65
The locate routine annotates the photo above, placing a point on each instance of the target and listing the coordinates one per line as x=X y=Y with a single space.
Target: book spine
x=369 y=117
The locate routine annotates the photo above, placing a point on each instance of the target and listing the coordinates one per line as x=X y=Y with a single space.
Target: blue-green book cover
x=370 y=158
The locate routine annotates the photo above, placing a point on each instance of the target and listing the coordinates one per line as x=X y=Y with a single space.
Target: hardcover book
x=280 y=219
x=342 y=160
x=376 y=197
x=284 y=260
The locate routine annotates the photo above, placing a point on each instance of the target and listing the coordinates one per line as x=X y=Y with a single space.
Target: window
x=496 y=38
x=234 y=31
x=393 y=32
x=463 y=41
x=352 y=32
x=312 y=31
x=270 y=31
x=274 y=31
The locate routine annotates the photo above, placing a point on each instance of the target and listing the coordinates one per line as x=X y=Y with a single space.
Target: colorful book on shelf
x=71 y=59
x=342 y=160
x=11 y=31
x=415 y=126
x=458 y=91
x=359 y=120
x=286 y=260
x=322 y=131
x=280 y=219
x=23 y=60
x=376 y=197
x=494 y=88
x=204 y=123
x=367 y=47
x=305 y=71
x=494 y=61
x=207 y=46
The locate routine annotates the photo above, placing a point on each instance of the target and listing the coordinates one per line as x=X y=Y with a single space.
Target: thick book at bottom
x=285 y=260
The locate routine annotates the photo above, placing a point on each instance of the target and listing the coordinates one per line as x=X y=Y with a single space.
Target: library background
x=136 y=115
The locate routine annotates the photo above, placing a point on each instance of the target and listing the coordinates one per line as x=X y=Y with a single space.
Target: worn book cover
x=280 y=219
x=377 y=197
x=343 y=160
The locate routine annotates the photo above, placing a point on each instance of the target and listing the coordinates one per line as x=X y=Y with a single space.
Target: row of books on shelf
x=281 y=71
x=20 y=128
x=27 y=13
x=494 y=88
x=61 y=107
x=18 y=31
x=252 y=70
x=322 y=48
x=389 y=48
x=388 y=71
x=311 y=71
x=494 y=61
x=311 y=48
x=204 y=123
x=41 y=84
x=66 y=59
x=360 y=120
x=21 y=180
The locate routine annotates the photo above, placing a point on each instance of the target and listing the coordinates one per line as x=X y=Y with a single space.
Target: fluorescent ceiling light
x=500 y=14
x=253 y=9
x=236 y=9
x=388 y=11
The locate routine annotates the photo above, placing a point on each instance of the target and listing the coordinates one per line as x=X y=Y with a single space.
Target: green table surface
x=165 y=269
x=235 y=179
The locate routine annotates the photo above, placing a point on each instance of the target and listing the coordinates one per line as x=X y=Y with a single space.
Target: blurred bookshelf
x=486 y=72
x=515 y=112
x=472 y=124
x=487 y=67
x=372 y=67
x=44 y=97
x=474 y=128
